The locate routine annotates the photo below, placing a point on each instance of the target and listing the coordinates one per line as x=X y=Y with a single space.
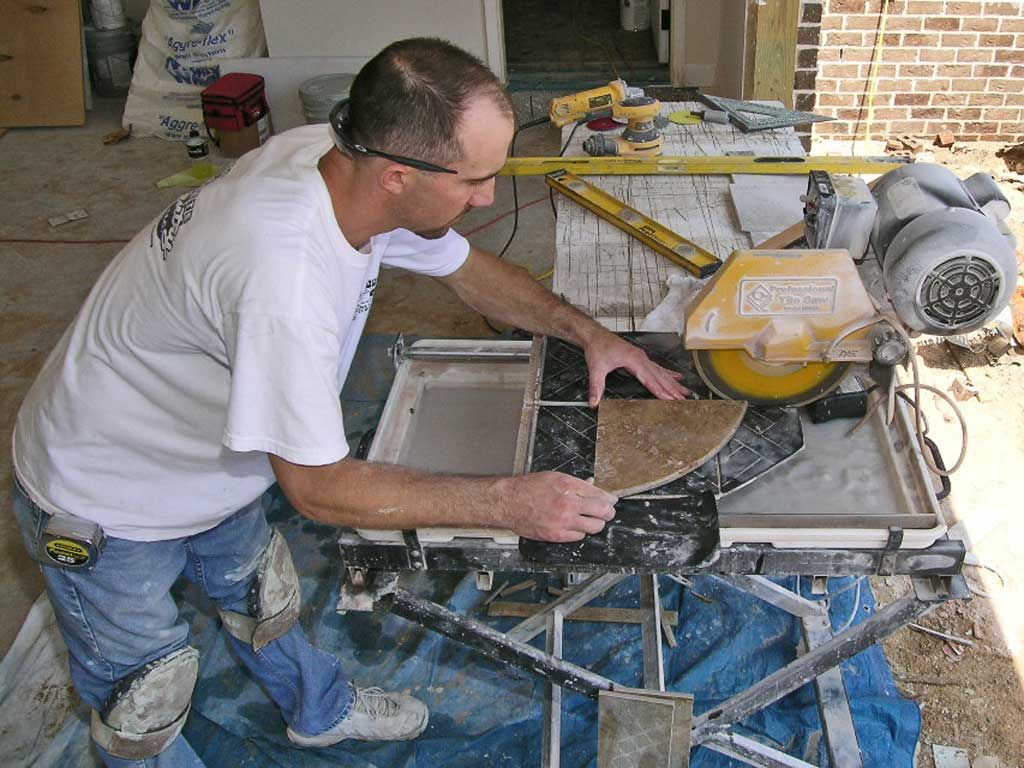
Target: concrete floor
x=51 y=171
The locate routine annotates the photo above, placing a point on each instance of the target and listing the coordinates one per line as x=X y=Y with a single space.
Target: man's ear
x=395 y=178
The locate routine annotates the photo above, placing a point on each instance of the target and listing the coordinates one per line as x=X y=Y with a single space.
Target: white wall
x=357 y=29
x=714 y=46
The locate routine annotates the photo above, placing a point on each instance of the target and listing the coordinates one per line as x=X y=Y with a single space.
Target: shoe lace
x=376 y=702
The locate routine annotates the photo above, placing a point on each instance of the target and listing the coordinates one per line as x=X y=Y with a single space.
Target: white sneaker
x=376 y=716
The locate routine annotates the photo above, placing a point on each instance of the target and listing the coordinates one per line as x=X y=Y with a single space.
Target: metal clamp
x=887 y=565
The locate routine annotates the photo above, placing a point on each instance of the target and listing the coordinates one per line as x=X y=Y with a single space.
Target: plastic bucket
x=111 y=55
x=108 y=14
x=320 y=94
x=635 y=15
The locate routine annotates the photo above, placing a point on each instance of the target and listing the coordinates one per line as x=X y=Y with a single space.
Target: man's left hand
x=608 y=352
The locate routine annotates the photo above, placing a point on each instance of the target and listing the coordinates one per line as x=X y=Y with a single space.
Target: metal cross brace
x=819 y=664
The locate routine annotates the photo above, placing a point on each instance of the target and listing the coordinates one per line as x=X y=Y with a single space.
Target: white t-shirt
x=221 y=332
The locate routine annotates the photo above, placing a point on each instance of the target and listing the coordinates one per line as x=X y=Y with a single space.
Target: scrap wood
x=909 y=142
x=64 y=218
x=666 y=628
x=928 y=680
x=942 y=635
x=1013 y=156
x=117 y=136
x=586 y=613
x=522 y=585
x=496 y=593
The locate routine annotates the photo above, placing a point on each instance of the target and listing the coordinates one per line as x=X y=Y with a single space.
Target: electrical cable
x=878 y=50
x=515 y=200
x=561 y=152
x=827 y=595
x=853 y=611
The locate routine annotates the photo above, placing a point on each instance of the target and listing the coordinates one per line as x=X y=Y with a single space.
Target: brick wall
x=942 y=66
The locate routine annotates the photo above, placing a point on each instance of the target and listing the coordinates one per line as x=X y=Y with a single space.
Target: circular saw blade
x=735 y=375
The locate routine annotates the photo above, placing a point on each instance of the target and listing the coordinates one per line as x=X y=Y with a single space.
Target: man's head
x=428 y=100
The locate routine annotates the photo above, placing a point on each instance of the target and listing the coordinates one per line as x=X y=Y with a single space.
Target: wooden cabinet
x=41 y=63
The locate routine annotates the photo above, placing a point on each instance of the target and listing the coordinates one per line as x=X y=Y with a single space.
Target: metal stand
x=819 y=663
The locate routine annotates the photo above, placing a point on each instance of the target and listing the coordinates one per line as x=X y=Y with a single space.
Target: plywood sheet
x=642 y=444
x=41 y=63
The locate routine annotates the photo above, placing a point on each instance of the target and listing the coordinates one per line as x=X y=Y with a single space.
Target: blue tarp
x=483 y=714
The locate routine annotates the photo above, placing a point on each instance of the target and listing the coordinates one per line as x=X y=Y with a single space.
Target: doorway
x=577 y=44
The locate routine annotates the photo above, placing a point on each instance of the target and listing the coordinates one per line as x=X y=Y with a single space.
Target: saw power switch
x=839 y=405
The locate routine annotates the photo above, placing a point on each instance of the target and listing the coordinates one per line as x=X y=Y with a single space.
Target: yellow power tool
x=641 y=135
x=784 y=327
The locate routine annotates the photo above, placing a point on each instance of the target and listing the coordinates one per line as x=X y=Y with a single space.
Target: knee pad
x=147 y=709
x=273 y=599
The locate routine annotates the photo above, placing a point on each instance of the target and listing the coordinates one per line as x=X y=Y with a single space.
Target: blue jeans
x=120 y=615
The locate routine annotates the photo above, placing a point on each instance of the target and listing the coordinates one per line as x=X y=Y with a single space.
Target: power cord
x=515 y=200
x=561 y=152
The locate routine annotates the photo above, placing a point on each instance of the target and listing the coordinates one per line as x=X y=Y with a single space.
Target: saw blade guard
x=786 y=306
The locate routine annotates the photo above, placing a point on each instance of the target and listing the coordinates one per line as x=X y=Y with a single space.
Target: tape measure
x=70 y=542
x=695 y=166
x=674 y=247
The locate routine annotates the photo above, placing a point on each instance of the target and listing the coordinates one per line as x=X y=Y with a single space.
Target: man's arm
x=508 y=293
x=547 y=505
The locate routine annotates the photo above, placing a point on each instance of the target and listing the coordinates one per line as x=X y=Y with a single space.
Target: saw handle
x=933 y=449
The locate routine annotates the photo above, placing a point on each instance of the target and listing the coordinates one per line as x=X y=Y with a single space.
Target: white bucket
x=320 y=94
x=635 y=15
x=111 y=55
x=107 y=14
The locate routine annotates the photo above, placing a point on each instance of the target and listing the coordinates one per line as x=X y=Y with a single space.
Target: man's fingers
x=586 y=489
x=590 y=525
x=665 y=384
x=566 y=537
x=598 y=508
x=596 y=388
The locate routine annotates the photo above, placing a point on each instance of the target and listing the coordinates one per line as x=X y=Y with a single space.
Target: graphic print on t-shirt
x=174 y=217
x=365 y=298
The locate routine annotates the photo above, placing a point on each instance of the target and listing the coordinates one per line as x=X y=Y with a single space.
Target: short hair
x=409 y=99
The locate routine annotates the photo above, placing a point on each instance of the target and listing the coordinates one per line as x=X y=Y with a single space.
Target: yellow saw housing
x=780 y=327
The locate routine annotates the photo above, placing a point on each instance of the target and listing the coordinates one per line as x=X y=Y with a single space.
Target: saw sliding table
x=785 y=497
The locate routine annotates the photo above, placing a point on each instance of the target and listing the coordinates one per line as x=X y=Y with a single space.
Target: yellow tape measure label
x=67 y=552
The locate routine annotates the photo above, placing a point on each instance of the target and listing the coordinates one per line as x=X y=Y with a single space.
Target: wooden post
x=773 y=50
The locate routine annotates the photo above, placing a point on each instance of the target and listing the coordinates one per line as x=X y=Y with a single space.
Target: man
x=206 y=364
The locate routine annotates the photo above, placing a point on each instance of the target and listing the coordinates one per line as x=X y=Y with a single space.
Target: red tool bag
x=235 y=113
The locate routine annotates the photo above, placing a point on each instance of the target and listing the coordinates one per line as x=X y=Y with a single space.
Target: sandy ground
x=975 y=699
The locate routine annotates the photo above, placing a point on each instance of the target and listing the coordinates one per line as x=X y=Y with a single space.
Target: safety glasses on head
x=344 y=142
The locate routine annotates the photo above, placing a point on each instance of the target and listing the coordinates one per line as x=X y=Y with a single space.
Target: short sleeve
x=284 y=395
x=438 y=257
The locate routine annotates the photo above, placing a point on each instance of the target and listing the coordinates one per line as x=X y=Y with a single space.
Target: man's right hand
x=552 y=506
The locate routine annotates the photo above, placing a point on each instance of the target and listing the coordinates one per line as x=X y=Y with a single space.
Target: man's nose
x=484 y=195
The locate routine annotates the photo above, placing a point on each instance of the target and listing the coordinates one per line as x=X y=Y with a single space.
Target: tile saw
x=784 y=327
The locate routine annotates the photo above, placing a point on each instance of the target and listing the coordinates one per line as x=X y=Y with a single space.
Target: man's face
x=438 y=200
